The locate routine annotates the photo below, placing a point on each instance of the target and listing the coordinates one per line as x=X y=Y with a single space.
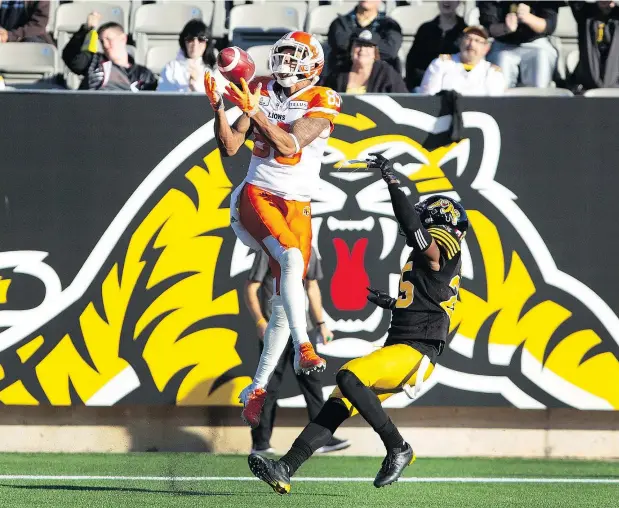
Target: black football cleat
x=272 y=472
x=393 y=465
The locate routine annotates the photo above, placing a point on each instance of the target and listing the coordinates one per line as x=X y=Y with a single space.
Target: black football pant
x=311 y=389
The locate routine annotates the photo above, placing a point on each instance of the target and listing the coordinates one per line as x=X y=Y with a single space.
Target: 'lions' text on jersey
x=272 y=171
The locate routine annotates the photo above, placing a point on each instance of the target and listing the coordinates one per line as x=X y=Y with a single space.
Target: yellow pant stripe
x=385 y=371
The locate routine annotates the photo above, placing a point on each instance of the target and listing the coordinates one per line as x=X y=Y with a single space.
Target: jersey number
x=406 y=287
x=407 y=292
x=449 y=305
x=333 y=99
x=262 y=148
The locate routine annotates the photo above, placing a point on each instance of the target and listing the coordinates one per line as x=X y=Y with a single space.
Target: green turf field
x=196 y=480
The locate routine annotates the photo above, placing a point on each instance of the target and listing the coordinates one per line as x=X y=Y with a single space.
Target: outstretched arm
x=417 y=236
x=229 y=137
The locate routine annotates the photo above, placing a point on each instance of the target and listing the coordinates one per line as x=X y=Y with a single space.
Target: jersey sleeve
x=326 y=103
x=446 y=240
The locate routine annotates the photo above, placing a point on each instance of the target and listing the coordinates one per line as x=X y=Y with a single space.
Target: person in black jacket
x=598 y=45
x=114 y=69
x=24 y=22
x=364 y=17
x=437 y=37
x=365 y=72
x=521 y=46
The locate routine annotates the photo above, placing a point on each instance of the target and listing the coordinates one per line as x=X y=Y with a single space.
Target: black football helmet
x=440 y=210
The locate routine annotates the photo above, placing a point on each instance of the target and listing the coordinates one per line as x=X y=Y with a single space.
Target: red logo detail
x=349 y=283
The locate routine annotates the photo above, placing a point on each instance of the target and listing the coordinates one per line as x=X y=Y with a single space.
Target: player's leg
x=277 y=333
x=311 y=389
x=316 y=434
x=285 y=229
x=366 y=382
x=261 y=435
x=276 y=337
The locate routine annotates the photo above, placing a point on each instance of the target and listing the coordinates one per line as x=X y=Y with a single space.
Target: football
x=234 y=64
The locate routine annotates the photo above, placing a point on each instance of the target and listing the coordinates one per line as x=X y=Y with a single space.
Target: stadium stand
x=25 y=64
x=258 y=24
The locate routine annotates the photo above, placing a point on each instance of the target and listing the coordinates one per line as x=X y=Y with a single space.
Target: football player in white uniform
x=290 y=119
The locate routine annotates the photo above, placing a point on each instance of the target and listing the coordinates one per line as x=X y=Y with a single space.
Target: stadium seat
x=471 y=17
x=602 y=92
x=529 y=91
x=158 y=56
x=571 y=61
x=565 y=38
x=260 y=54
x=253 y=25
x=125 y=5
x=301 y=7
x=320 y=18
x=411 y=17
x=159 y=25
x=25 y=63
x=53 y=6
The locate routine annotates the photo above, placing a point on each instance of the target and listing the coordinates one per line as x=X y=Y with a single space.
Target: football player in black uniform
x=428 y=292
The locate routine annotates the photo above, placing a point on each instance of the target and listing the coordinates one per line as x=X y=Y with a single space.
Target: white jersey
x=295 y=177
x=447 y=72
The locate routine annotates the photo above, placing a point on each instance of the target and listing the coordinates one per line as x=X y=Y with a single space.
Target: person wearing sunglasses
x=196 y=56
x=365 y=72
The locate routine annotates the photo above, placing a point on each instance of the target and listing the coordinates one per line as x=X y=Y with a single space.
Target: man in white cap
x=468 y=72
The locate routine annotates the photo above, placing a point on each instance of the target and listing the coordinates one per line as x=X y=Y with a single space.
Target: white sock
x=293 y=294
x=275 y=339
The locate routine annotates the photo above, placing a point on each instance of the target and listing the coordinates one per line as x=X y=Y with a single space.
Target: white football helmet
x=306 y=61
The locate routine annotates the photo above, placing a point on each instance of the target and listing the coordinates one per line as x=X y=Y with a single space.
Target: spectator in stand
x=23 y=21
x=521 y=40
x=365 y=72
x=195 y=56
x=258 y=293
x=365 y=16
x=598 y=45
x=437 y=37
x=115 y=69
x=468 y=72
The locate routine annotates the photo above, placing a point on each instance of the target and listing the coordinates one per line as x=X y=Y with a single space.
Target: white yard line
x=309 y=479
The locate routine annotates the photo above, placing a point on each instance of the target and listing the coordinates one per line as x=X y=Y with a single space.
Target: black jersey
x=426 y=297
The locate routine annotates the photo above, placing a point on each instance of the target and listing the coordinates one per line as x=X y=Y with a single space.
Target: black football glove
x=381 y=299
x=384 y=165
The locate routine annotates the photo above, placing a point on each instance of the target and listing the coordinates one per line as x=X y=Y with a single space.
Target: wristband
x=297 y=147
x=320 y=323
x=260 y=321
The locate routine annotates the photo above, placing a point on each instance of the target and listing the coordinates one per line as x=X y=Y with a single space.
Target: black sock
x=390 y=435
x=369 y=407
x=317 y=433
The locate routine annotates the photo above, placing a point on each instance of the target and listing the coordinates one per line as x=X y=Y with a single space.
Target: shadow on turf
x=125 y=489
x=150 y=491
